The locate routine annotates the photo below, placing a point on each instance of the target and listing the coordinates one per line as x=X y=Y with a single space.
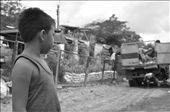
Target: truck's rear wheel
x=140 y=82
x=133 y=83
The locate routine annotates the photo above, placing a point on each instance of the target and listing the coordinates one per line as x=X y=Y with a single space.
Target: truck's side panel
x=129 y=54
x=163 y=47
x=129 y=48
x=130 y=62
x=163 y=53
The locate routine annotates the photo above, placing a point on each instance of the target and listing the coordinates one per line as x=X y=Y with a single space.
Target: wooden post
x=103 y=69
x=58 y=16
x=57 y=67
x=15 y=51
x=86 y=74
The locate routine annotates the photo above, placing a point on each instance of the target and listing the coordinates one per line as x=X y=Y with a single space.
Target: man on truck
x=152 y=52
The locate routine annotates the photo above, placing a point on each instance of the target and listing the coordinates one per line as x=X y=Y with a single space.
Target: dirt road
x=107 y=98
x=111 y=98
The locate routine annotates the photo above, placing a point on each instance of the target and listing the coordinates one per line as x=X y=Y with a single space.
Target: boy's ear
x=42 y=35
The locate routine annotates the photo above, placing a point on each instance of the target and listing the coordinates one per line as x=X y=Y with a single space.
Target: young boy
x=33 y=84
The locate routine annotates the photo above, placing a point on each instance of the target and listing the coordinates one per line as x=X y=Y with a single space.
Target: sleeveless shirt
x=42 y=96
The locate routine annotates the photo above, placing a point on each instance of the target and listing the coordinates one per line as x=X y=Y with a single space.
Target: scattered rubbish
x=4 y=89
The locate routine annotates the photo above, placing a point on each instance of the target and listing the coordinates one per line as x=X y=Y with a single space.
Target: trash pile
x=78 y=78
x=5 y=88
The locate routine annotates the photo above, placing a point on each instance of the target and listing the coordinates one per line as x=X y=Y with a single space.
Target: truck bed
x=144 y=66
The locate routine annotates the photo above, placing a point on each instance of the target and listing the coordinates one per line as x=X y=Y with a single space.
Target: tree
x=113 y=31
x=9 y=13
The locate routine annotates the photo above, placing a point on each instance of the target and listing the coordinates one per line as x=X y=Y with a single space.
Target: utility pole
x=58 y=11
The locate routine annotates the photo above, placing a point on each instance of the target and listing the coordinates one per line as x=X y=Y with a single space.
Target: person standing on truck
x=152 y=52
x=33 y=87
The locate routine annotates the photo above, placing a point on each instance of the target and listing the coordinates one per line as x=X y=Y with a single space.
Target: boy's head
x=33 y=20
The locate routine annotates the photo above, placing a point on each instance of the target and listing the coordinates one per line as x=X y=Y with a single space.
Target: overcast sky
x=148 y=19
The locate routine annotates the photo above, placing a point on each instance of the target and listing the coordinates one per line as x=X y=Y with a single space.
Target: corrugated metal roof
x=11 y=32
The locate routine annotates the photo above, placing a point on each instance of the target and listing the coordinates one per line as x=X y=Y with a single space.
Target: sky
x=149 y=19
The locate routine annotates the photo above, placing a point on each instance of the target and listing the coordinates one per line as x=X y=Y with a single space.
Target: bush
x=72 y=65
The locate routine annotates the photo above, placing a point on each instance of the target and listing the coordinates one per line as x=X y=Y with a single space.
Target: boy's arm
x=21 y=76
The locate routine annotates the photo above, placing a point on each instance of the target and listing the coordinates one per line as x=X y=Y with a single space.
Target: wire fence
x=68 y=67
x=76 y=70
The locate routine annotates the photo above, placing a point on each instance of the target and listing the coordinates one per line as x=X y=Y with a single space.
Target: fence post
x=14 y=54
x=57 y=67
x=86 y=74
x=103 y=69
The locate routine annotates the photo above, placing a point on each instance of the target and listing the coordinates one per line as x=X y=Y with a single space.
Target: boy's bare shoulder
x=24 y=64
x=23 y=71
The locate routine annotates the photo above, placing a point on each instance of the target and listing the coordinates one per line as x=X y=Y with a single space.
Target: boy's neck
x=32 y=49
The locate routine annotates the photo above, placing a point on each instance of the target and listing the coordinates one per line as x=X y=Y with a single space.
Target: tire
x=139 y=81
x=164 y=74
x=155 y=84
x=133 y=83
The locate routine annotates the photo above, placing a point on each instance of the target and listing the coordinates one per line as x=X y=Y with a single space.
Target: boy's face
x=48 y=41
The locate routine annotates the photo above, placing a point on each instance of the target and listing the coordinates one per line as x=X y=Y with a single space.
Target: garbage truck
x=142 y=70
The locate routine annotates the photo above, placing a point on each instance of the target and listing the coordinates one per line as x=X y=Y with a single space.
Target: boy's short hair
x=31 y=21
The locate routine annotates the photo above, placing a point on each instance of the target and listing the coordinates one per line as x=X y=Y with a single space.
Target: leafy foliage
x=83 y=53
x=9 y=13
x=69 y=48
x=113 y=31
x=72 y=65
